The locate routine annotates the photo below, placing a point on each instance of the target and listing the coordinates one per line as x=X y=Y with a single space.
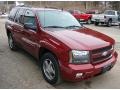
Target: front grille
x=102 y=54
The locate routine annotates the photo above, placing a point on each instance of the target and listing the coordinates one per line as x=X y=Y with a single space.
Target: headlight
x=79 y=57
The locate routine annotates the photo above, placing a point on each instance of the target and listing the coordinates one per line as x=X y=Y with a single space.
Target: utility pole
x=40 y=3
x=6 y=6
x=31 y=3
x=105 y=5
x=85 y=5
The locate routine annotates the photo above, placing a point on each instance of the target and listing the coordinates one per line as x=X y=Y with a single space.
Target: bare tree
x=115 y=5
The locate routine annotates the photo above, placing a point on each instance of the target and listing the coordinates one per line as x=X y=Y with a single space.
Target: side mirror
x=29 y=26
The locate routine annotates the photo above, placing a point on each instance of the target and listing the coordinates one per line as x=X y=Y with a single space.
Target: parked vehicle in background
x=108 y=17
x=81 y=16
x=94 y=14
x=3 y=15
x=65 y=50
x=0 y=13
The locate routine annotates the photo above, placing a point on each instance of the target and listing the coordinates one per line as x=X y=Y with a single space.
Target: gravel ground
x=19 y=69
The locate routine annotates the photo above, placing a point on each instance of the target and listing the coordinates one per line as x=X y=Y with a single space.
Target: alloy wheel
x=49 y=69
x=10 y=40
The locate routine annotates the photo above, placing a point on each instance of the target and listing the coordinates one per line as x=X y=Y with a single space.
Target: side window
x=19 y=16
x=12 y=14
x=29 y=17
x=111 y=13
x=118 y=13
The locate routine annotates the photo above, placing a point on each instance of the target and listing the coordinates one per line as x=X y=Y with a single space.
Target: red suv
x=65 y=50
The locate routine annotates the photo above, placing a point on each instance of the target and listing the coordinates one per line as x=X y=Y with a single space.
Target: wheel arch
x=43 y=50
x=110 y=19
x=8 y=32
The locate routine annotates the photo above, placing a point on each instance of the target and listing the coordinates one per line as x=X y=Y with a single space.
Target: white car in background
x=94 y=14
x=108 y=17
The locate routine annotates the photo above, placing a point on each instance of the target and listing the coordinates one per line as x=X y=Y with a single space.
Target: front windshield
x=57 y=18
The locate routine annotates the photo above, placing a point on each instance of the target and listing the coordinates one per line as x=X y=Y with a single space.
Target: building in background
x=6 y=6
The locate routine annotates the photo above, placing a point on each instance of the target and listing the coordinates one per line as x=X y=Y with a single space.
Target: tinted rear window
x=12 y=14
x=19 y=15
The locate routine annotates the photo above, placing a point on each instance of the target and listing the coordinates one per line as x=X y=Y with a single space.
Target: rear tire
x=11 y=42
x=50 y=69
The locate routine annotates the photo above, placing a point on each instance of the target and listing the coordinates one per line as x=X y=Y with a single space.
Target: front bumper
x=82 y=20
x=101 y=20
x=88 y=70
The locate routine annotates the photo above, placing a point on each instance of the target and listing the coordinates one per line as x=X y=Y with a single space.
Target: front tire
x=50 y=69
x=109 y=23
x=11 y=42
x=96 y=23
x=89 y=21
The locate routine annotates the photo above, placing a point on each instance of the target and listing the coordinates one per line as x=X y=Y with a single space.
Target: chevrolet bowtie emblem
x=104 y=53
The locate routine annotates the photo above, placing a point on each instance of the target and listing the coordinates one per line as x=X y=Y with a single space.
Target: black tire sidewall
x=109 y=23
x=14 y=46
x=96 y=23
x=56 y=65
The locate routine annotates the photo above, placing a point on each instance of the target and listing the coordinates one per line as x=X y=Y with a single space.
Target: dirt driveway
x=19 y=69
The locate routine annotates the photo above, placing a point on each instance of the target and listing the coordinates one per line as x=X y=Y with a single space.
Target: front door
x=29 y=35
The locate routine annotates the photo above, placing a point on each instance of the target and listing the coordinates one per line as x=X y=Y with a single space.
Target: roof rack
x=22 y=6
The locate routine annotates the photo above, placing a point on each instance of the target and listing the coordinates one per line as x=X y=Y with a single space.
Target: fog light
x=78 y=75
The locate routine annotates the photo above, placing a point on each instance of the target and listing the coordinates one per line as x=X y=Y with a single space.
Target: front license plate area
x=106 y=68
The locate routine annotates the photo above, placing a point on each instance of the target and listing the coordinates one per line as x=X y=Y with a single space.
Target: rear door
x=116 y=17
x=112 y=15
x=10 y=22
x=18 y=25
x=118 y=13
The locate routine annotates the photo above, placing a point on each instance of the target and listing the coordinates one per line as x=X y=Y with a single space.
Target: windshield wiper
x=54 y=27
x=73 y=26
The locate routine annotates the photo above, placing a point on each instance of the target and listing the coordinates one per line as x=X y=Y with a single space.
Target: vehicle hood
x=94 y=15
x=99 y=16
x=82 y=39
